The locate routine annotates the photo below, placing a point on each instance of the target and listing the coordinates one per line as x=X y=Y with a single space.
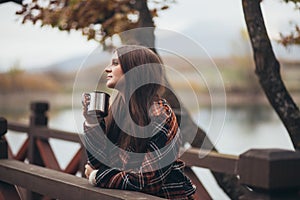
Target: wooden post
x=3 y=143
x=83 y=160
x=38 y=118
x=272 y=174
x=38 y=113
x=7 y=191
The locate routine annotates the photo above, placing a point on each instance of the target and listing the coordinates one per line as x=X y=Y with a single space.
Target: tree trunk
x=268 y=71
x=144 y=34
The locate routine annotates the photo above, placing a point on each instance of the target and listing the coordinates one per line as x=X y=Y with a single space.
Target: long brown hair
x=143 y=78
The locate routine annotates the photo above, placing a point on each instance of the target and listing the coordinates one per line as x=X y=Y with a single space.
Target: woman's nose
x=107 y=69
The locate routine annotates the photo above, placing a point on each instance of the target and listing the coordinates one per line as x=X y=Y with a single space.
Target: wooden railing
x=269 y=173
x=54 y=184
x=36 y=147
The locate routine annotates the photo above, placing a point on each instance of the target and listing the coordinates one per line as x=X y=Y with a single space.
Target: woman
x=136 y=146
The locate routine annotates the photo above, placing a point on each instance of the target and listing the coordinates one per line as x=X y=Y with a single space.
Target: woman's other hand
x=90 y=174
x=90 y=119
x=88 y=170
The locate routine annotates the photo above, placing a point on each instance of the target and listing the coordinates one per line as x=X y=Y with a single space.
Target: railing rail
x=44 y=132
x=212 y=160
x=18 y=127
x=59 y=185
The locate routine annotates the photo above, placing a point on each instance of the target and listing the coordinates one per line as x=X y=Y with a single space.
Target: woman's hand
x=88 y=170
x=90 y=119
x=90 y=174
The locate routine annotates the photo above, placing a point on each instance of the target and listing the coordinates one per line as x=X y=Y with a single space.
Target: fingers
x=88 y=170
x=85 y=99
x=91 y=119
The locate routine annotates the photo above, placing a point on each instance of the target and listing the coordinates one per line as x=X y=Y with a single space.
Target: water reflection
x=248 y=127
x=244 y=128
x=250 y=117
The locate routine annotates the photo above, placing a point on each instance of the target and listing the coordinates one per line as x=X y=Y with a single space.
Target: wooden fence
x=268 y=173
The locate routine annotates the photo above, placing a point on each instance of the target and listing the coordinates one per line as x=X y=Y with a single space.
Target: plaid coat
x=159 y=171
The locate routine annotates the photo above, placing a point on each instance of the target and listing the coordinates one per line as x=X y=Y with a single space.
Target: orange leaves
x=164 y=7
x=292 y=39
x=109 y=16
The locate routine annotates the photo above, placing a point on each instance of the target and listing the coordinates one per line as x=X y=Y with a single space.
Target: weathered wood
x=47 y=154
x=58 y=184
x=212 y=160
x=271 y=173
x=38 y=118
x=3 y=142
x=270 y=168
x=44 y=132
x=9 y=151
x=83 y=161
x=8 y=192
x=22 y=153
x=3 y=126
x=38 y=115
x=201 y=192
x=3 y=149
x=18 y=127
x=223 y=167
x=74 y=164
x=33 y=153
x=266 y=195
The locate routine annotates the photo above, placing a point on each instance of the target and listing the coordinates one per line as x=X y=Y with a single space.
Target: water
x=244 y=128
x=248 y=127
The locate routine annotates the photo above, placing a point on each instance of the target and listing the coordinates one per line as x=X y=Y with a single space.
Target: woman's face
x=114 y=72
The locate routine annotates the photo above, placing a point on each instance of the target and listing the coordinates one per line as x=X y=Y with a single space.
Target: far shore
x=18 y=104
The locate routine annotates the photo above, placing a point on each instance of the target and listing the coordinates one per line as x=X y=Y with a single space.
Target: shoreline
x=14 y=102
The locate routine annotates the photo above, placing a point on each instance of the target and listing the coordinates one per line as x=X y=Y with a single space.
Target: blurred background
x=41 y=63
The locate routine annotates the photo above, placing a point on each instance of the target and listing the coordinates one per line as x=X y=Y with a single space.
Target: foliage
x=17 y=80
x=97 y=19
x=293 y=1
x=294 y=37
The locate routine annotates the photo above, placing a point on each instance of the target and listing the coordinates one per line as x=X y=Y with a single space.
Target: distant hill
x=75 y=63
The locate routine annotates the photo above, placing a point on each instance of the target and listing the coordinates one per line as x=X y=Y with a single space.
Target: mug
x=99 y=102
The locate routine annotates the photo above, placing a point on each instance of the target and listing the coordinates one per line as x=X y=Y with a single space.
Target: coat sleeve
x=95 y=141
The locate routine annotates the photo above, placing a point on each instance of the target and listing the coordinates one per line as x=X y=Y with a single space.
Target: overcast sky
x=215 y=24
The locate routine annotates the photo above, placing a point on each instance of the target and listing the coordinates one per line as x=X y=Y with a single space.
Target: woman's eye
x=114 y=62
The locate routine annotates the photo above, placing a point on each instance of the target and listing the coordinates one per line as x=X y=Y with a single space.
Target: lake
x=244 y=128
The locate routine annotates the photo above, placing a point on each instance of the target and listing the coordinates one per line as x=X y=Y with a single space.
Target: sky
x=215 y=24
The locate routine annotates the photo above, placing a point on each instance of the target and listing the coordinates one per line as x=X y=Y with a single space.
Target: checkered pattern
x=160 y=172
